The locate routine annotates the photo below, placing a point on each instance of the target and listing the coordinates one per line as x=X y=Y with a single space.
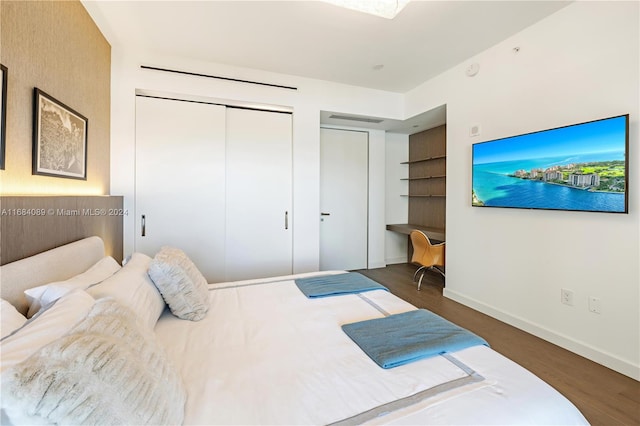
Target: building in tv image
x=581 y=167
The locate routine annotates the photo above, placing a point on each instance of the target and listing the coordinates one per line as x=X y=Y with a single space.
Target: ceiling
x=319 y=40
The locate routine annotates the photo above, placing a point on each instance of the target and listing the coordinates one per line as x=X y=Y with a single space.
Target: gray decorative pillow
x=107 y=370
x=181 y=284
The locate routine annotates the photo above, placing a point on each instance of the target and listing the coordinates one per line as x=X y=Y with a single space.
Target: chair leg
x=420 y=280
x=415 y=274
x=430 y=268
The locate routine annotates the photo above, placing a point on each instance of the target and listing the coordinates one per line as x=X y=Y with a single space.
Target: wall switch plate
x=566 y=296
x=595 y=305
x=474 y=130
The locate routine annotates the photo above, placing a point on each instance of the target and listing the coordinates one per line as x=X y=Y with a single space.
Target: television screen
x=580 y=167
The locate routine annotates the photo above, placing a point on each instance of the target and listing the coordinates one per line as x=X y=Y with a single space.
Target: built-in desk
x=436 y=235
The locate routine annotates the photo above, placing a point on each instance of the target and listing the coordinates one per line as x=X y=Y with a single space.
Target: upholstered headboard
x=53 y=265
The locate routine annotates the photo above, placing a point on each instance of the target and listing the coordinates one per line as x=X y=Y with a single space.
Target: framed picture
x=59 y=139
x=3 y=113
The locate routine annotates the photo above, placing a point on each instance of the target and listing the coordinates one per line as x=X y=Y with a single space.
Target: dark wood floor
x=604 y=396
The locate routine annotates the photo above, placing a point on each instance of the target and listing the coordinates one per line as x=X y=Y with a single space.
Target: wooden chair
x=428 y=256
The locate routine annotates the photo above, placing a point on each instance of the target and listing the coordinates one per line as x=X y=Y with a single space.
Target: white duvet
x=265 y=354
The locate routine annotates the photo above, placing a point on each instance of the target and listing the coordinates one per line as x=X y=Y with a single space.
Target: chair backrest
x=425 y=253
x=419 y=241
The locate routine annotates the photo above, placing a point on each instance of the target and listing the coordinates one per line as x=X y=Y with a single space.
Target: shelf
x=423 y=196
x=426 y=177
x=437 y=157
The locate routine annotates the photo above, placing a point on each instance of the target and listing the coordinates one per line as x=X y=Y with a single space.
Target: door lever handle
x=325 y=214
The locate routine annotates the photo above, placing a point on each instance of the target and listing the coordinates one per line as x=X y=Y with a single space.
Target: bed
x=176 y=350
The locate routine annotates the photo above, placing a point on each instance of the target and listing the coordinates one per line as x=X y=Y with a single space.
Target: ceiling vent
x=361 y=119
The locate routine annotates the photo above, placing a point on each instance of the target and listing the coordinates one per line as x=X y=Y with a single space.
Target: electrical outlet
x=566 y=296
x=595 y=305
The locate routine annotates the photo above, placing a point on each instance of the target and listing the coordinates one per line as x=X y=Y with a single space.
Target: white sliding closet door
x=259 y=187
x=180 y=181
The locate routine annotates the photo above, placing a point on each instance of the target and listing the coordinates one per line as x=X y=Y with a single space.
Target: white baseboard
x=587 y=351
x=373 y=265
x=395 y=260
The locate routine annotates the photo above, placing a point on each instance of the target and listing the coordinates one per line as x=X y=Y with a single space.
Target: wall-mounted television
x=580 y=167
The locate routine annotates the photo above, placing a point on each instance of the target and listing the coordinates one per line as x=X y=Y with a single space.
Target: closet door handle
x=144 y=225
x=286 y=220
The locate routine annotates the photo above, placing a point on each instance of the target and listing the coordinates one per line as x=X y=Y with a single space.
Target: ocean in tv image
x=578 y=167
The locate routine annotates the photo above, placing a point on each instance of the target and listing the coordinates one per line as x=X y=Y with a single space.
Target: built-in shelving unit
x=426 y=183
x=426 y=176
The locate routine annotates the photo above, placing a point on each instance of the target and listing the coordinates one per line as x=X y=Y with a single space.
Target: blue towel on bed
x=403 y=338
x=334 y=285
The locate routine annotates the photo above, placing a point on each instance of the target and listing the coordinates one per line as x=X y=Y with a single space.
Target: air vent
x=361 y=119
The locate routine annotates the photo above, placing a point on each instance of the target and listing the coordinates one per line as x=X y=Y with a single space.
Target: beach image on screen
x=580 y=167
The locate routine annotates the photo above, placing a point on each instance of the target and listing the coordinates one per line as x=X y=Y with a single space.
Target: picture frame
x=3 y=113
x=59 y=138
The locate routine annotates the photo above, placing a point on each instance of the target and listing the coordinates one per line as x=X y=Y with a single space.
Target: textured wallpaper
x=56 y=47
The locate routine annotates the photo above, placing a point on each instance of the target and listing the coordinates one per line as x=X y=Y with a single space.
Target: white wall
x=311 y=97
x=396 y=206
x=580 y=64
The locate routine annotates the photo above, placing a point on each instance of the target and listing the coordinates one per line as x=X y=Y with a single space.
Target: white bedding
x=265 y=354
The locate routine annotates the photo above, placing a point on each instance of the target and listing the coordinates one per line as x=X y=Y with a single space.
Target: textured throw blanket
x=403 y=338
x=334 y=285
x=108 y=370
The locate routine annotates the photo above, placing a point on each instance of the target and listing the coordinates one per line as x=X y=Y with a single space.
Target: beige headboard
x=53 y=265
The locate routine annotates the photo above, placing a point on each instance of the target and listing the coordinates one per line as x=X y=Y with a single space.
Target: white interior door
x=180 y=181
x=259 y=187
x=344 y=176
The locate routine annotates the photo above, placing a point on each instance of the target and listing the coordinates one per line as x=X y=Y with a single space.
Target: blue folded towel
x=333 y=285
x=403 y=338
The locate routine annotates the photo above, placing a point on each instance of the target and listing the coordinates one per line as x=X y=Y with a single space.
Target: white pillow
x=10 y=320
x=109 y=369
x=182 y=285
x=132 y=287
x=50 y=323
x=45 y=294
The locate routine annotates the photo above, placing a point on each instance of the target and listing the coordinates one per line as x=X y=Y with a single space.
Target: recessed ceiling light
x=383 y=8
